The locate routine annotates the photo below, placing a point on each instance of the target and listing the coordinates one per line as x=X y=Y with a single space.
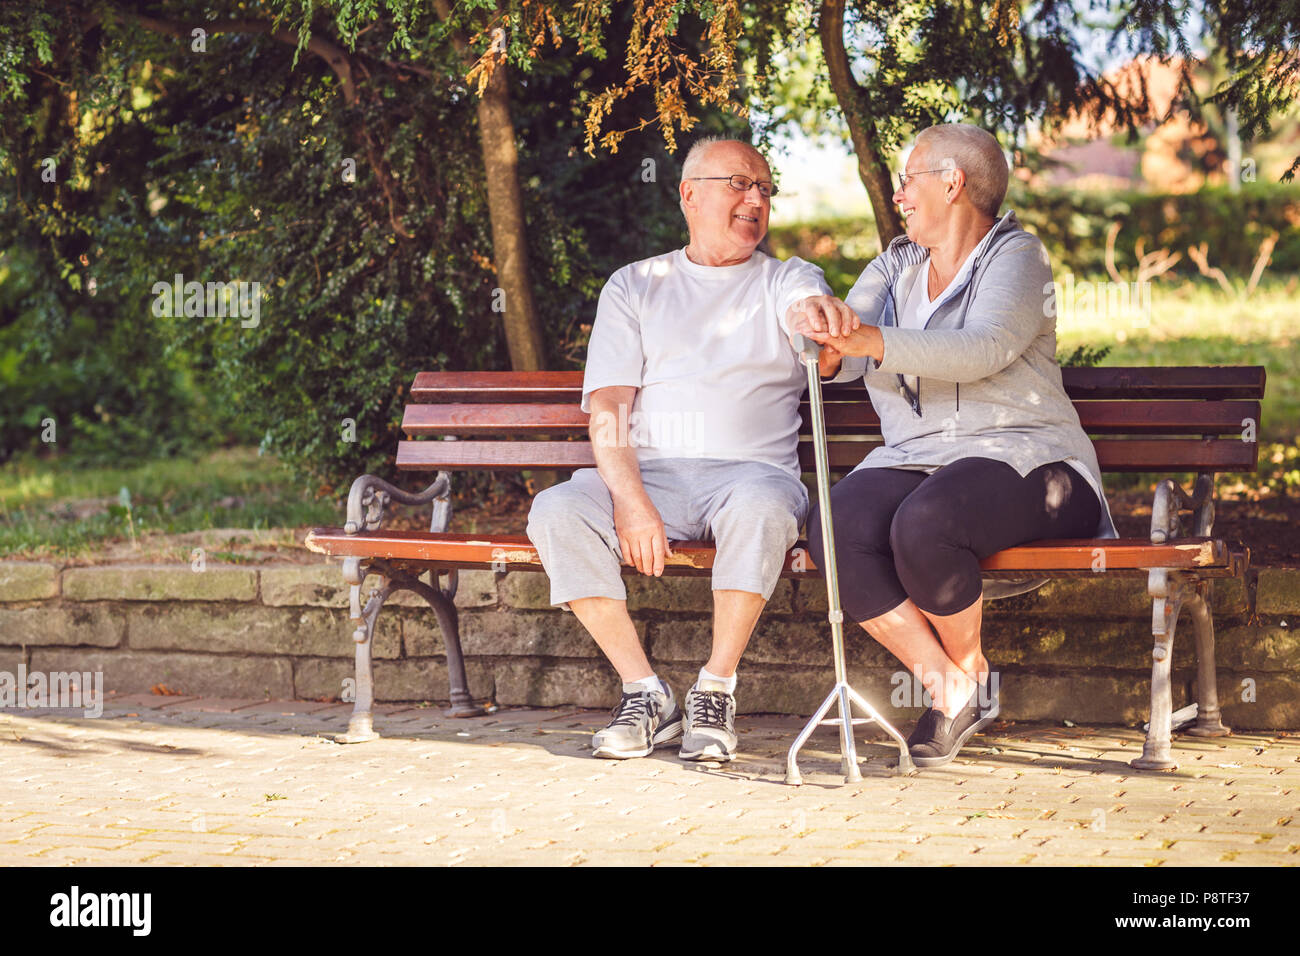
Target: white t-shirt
x=707 y=350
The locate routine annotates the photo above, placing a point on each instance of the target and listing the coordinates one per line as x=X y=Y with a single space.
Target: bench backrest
x=1141 y=419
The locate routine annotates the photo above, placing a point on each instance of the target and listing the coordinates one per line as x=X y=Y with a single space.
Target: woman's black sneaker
x=948 y=735
x=924 y=728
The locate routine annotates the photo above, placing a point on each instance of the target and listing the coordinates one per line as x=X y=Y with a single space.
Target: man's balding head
x=725 y=224
x=698 y=156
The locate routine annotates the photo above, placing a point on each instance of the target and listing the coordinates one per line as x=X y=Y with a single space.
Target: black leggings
x=901 y=534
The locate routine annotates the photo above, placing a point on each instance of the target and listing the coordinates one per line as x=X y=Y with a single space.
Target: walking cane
x=841 y=692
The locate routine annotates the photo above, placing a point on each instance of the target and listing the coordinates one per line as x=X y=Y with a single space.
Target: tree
x=232 y=164
x=895 y=69
x=1258 y=40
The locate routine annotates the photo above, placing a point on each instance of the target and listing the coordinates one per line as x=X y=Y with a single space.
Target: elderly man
x=688 y=349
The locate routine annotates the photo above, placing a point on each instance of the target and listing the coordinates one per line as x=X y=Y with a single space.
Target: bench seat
x=514 y=552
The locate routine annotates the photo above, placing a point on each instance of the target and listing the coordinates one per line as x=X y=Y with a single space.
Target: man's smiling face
x=722 y=219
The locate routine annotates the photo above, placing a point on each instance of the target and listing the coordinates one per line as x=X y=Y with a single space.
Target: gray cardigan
x=983 y=369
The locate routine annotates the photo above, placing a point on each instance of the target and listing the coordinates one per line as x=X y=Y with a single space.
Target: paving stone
x=526 y=589
x=137 y=701
x=1258 y=648
x=253 y=629
x=519 y=682
x=160 y=582
x=211 y=705
x=69 y=624
x=503 y=632
x=28 y=580
x=285 y=707
x=297 y=585
x=1278 y=591
x=1103 y=596
x=139 y=671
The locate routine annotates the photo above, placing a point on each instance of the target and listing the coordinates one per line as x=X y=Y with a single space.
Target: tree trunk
x=506 y=212
x=509 y=229
x=872 y=168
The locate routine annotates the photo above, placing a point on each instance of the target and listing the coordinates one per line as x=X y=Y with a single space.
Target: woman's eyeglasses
x=905 y=178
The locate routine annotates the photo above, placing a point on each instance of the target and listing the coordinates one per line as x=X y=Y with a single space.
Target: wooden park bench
x=1155 y=420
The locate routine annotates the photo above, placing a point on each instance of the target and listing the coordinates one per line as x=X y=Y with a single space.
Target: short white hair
x=696 y=155
x=976 y=153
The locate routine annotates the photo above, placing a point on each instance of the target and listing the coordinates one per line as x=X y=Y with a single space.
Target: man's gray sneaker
x=709 y=728
x=642 y=721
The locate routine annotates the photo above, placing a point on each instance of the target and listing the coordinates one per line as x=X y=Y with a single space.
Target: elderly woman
x=952 y=327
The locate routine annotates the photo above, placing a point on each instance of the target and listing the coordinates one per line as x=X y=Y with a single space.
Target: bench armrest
x=369 y=497
x=1171 y=500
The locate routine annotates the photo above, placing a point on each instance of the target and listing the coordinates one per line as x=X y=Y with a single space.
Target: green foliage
x=99 y=377
x=229 y=166
x=999 y=65
x=1083 y=356
x=1073 y=226
x=1279 y=469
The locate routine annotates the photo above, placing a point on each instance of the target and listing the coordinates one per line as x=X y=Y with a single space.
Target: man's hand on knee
x=641 y=535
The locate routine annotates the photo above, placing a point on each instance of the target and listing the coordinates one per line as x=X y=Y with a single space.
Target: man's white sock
x=654 y=685
x=730 y=682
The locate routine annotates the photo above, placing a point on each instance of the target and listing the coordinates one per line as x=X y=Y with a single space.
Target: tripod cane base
x=845 y=696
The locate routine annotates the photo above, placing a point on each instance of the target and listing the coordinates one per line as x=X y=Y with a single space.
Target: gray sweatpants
x=751 y=509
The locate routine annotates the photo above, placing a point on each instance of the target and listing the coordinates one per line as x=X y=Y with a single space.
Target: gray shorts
x=752 y=510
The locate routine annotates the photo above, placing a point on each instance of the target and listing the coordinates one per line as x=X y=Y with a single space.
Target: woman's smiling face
x=922 y=201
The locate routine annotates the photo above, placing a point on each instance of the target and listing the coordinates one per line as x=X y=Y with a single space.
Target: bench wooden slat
x=486 y=418
x=1130 y=382
x=560 y=420
x=497 y=387
x=1118 y=382
x=1143 y=455
x=1078 y=555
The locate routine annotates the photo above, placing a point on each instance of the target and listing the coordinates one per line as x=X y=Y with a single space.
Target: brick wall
x=1075 y=649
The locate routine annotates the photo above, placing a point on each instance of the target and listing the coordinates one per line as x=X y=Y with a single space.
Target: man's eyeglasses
x=743 y=184
x=905 y=178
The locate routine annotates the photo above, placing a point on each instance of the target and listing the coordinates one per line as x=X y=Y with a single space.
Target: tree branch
x=334 y=56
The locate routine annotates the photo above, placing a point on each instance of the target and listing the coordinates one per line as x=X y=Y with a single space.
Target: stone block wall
x=1076 y=649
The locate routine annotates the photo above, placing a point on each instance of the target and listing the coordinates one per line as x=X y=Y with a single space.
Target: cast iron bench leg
x=1168 y=591
x=444 y=608
x=1209 y=721
x=361 y=724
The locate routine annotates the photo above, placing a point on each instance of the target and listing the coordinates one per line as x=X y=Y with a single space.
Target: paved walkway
x=198 y=781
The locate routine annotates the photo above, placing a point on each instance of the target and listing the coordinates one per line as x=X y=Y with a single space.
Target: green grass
x=1195 y=324
x=49 y=508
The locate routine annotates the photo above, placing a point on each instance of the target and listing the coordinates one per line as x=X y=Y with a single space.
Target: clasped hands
x=836 y=328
